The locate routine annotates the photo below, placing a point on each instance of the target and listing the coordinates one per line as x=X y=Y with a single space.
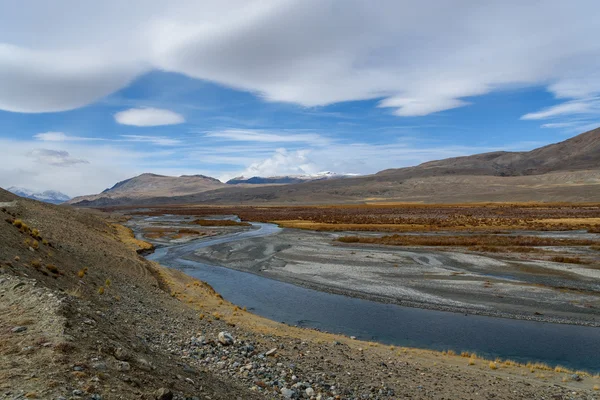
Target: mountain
x=286 y=180
x=146 y=186
x=48 y=196
x=567 y=171
x=578 y=153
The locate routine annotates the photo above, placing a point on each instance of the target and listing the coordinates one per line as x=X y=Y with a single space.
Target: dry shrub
x=468 y=241
x=35 y=244
x=64 y=347
x=101 y=290
x=18 y=223
x=568 y=260
x=52 y=268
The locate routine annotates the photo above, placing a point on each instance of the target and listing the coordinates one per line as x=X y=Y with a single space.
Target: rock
x=163 y=394
x=576 y=377
x=77 y=368
x=225 y=338
x=309 y=392
x=18 y=329
x=144 y=365
x=122 y=354
x=287 y=393
x=96 y=396
x=123 y=366
x=77 y=392
x=271 y=352
x=100 y=366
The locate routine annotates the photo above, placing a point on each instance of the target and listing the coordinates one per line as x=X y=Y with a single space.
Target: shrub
x=82 y=272
x=101 y=290
x=35 y=244
x=568 y=260
x=349 y=239
x=52 y=268
x=27 y=242
x=493 y=365
x=107 y=283
x=36 y=263
x=17 y=258
x=18 y=223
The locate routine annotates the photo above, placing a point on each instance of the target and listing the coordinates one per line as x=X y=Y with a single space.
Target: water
x=576 y=347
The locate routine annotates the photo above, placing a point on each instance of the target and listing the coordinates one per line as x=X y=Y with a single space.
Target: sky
x=92 y=93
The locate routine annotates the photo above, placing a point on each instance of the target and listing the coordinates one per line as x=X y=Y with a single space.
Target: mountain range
x=47 y=196
x=565 y=171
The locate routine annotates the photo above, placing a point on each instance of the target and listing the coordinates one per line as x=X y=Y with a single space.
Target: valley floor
x=82 y=316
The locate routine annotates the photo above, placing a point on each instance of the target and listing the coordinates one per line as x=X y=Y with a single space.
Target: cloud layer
x=419 y=57
x=148 y=117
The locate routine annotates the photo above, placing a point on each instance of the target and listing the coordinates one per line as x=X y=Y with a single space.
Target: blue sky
x=286 y=87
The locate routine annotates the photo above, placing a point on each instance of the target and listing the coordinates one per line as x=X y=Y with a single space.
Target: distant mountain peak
x=47 y=196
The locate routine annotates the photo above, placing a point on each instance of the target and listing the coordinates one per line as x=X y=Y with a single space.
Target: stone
x=575 y=377
x=309 y=391
x=122 y=354
x=144 y=365
x=123 y=366
x=18 y=329
x=271 y=352
x=287 y=393
x=225 y=338
x=163 y=394
x=100 y=366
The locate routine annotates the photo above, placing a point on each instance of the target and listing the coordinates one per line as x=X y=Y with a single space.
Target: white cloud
x=591 y=106
x=60 y=137
x=148 y=117
x=57 y=158
x=418 y=56
x=51 y=137
x=158 y=140
x=283 y=163
x=249 y=135
x=77 y=167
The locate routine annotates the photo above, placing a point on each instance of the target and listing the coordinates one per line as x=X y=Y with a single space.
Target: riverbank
x=445 y=279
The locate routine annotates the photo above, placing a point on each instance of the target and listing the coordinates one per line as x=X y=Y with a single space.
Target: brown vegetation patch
x=468 y=241
x=405 y=217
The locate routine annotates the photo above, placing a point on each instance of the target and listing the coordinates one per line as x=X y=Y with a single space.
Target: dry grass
x=126 y=236
x=468 y=241
x=569 y=260
x=410 y=217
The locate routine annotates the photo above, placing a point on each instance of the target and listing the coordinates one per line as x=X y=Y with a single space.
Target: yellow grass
x=126 y=236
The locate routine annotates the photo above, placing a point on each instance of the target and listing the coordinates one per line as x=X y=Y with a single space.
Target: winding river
x=572 y=346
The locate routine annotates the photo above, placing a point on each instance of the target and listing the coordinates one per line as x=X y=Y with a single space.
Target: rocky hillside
x=581 y=152
x=151 y=185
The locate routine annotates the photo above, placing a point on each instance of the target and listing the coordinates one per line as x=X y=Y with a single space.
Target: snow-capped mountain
x=48 y=196
x=287 y=179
